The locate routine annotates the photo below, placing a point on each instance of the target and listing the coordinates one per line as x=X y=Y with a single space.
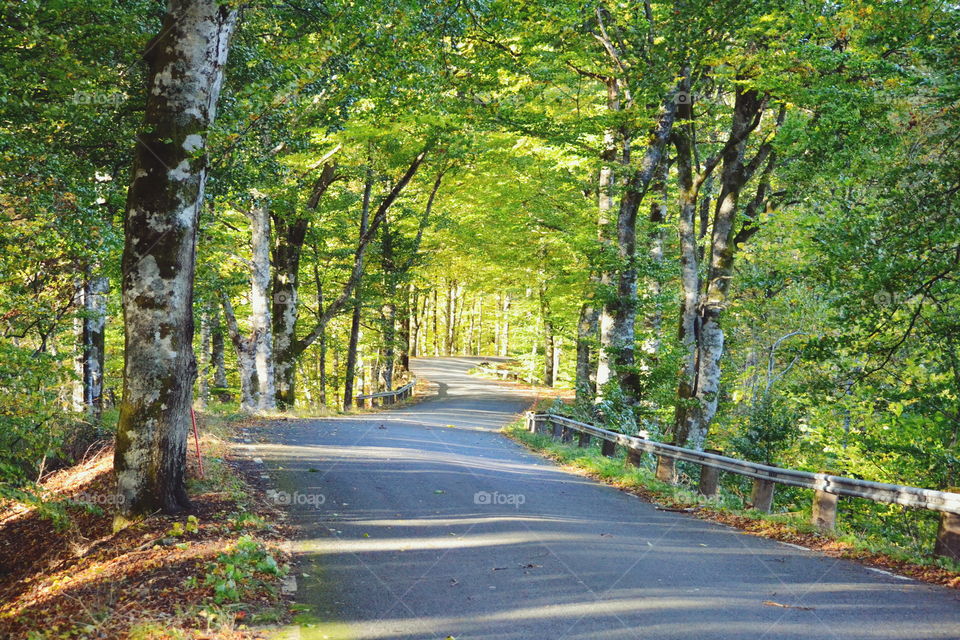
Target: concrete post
x=762 y=495
x=709 y=479
x=824 y=511
x=666 y=470
x=948 y=535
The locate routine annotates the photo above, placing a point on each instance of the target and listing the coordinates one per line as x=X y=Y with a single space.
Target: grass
x=728 y=507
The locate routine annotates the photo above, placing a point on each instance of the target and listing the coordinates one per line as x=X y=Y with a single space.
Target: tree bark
x=261 y=325
x=617 y=333
x=186 y=63
x=388 y=311
x=448 y=327
x=587 y=327
x=204 y=398
x=415 y=321
x=701 y=333
x=94 y=325
x=357 y=301
x=245 y=348
x=505 y=327
x=287 y=251
x=217 y=357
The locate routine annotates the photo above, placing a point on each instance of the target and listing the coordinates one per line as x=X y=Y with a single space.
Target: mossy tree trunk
x=186 y=63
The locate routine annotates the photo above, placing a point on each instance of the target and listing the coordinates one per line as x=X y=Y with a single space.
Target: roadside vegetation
x=215 y=571
x=887 y=537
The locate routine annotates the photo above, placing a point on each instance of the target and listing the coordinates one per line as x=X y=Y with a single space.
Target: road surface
x=425 y=523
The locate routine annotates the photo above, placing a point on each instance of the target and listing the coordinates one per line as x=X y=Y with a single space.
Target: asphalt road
x=425 y=523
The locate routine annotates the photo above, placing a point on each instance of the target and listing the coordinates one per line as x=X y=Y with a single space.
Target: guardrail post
x=666 y=470
x=824 y=510
x=709 y=479
x=948 y=534
x=540 y=424
x=608 y=448
x=566 y=434
x=531 y=422
x=762 y=495
x=584 y=440
x=634 y=457
x=557 y=428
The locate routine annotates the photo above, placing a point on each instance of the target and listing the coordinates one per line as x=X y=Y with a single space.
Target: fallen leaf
x=771 y=603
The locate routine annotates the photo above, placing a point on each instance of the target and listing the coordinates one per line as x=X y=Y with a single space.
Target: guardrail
x=387 y=397
x=505 y=374
x=827 y=488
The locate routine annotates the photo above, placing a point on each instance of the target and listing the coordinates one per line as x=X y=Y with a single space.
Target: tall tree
x=186 y=61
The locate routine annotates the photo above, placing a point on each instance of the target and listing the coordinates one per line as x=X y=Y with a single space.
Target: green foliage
x=239 y=572
x=33 y=425
x=771 y=428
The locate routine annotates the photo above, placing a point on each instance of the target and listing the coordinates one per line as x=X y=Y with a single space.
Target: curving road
x=425 y=523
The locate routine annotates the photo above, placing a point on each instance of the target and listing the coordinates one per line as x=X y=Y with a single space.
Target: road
x=425 y=523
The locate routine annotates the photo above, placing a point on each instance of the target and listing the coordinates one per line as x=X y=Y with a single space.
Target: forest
x=731 y=225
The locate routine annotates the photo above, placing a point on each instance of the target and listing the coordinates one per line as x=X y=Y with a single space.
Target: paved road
x=434 y=525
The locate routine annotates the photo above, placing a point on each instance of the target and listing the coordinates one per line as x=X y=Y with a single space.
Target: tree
x=186 y=61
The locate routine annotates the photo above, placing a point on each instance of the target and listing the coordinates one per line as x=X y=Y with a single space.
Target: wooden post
x=584 y=440
x=567 y=434
x=824 y=510
x=634 y=457
x=609 y=449
x=557 y=429
x=948 y=534
x=762 y=495
x=709 y=479
x=666 y=470
x=531 y=422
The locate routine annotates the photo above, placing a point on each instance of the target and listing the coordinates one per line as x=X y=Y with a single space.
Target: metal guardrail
x=827 y=487
x=387 y=397
x=505 y=374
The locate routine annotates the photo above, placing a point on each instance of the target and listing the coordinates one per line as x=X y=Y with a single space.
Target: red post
x=196 y=441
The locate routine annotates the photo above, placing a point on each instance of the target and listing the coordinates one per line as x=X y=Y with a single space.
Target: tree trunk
x=658 y=213
x=245 y=348
x=261 y=325
x=617 y=333
x=217 y=357
x=287 y=251
x=606 y=188
x=700 y=330
x=747 y=107
x=505 y=328
x=357 y=302
x=204 y=398
x=403 y=337
x=586 y=339
x=94 y=332
x=415 y=320
x=689 y=285
x=448 y=327
x=436 y=329
x=548 y=338
x=322 y=364
x=186 y=64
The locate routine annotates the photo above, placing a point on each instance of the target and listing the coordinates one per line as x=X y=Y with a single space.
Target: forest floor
x=215 y=572
x=591 y=463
